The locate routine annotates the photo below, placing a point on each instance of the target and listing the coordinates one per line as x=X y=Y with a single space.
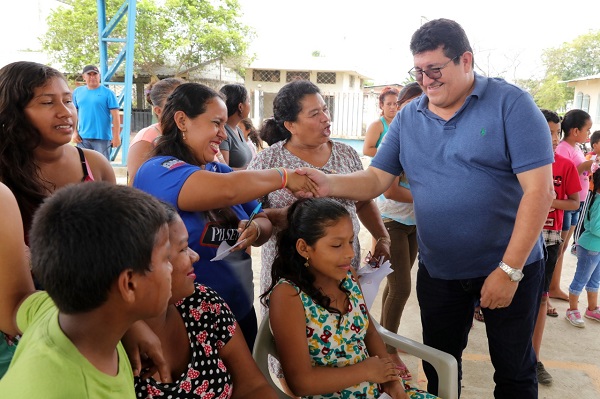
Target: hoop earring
x=306 y=263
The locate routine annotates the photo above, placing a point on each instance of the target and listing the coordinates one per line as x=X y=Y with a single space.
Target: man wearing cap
x=97 y=107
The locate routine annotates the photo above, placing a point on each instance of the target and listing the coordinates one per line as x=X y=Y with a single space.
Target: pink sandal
x=403 y=372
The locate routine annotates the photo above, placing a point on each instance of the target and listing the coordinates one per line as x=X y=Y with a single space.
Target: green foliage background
x=179 y=34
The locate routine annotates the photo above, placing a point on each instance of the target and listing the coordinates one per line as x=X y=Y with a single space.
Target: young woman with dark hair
x=214 y=204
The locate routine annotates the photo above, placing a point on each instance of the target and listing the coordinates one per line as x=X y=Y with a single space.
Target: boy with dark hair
x=566 y=189
x=101 y=251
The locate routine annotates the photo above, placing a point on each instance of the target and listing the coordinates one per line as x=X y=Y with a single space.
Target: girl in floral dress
x=326 y=342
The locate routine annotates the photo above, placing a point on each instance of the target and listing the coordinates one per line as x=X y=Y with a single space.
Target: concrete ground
x=571 y=355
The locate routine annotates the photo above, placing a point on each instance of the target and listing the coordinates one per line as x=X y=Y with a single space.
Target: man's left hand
x=498 y=290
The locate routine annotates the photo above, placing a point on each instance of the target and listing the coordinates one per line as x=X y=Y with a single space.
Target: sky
x=373 y=35
x=507 y=36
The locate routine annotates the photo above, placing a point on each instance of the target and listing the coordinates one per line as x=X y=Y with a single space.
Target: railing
x=350 y=112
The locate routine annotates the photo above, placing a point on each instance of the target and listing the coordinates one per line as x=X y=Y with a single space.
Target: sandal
x=551 y=312
x=478 y=315
x=401 y=367
x=403 y=372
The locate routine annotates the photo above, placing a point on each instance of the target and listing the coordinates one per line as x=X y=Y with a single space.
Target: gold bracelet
x=385 y=240
x=257 y=227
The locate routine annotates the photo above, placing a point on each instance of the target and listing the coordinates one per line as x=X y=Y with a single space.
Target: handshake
x=308 y=183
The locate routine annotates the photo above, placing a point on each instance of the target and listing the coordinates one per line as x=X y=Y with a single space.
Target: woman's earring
x=183 y=134
x=306 y=263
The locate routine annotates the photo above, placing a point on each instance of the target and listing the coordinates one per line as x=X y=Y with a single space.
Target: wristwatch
x=515 y=275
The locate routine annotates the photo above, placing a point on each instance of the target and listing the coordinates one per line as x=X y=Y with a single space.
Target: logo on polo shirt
x=172 y=163
x=483 y=132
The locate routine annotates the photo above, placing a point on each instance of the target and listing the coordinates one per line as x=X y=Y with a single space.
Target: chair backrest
x=445 y=364
x=264 y=345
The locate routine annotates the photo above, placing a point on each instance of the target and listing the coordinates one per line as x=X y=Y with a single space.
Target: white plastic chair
x=445 y=364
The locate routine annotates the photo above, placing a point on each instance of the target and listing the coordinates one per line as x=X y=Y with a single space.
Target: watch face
x=516 y=275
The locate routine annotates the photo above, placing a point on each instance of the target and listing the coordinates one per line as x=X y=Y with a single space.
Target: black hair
x=306 y=219
x=441 y=32
x=594 y=138
x=409 y=92
x=574 y=119
x=191 y=99
x=170 y=211
x=158 y=92
x=85 y=235
x=286 y=107
x=18 y=137
x=254 y=137
x=235 y=94
x=550 y=116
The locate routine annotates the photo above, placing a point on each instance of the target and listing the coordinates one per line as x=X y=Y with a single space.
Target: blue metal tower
x=108 y=68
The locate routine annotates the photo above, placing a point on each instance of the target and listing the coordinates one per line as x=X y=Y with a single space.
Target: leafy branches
x=179 y=34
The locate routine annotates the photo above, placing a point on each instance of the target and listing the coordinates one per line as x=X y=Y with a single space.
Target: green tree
x=575 y=59
x=181 y=34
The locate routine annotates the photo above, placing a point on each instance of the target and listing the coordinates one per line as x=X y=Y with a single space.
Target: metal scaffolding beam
x=108 y=68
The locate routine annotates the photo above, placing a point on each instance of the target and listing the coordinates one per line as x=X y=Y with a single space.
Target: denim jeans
x=447 y=308
x=571 y=218
x=102 y=146
x=587 y=273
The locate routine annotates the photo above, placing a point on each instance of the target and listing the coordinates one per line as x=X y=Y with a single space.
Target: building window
x=585 y=104
x=352 y=79
x=578 y=100
x=327 y=78
x=297 y=75
x=264 y=75
x=330 y=102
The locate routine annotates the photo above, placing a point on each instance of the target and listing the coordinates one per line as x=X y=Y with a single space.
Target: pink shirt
x=577 y=157
x=148 y=134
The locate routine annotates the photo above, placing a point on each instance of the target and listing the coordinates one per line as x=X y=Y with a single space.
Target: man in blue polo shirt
x=478 y=156
x=97 y=109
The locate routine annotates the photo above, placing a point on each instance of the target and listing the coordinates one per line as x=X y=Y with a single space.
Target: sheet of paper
x=225 y=249
x=370 y=279
x=385 y=396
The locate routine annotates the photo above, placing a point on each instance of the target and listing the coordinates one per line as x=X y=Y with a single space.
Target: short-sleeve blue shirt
x=463 y=174
x=231 y=277
x=93 y=109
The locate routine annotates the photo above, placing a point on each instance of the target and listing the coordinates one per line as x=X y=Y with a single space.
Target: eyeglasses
x=432 y=73
x=373 y=261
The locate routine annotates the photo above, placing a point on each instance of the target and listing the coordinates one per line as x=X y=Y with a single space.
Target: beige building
x=587 y=97
x=341 y=87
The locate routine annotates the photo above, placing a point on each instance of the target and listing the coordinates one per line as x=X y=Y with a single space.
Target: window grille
x=330 y=102
x=264 y=75
x=297 y=75
x=327 y=78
